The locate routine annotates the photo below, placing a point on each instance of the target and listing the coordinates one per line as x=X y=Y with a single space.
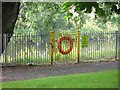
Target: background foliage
x=43 y=17
x=31 y=39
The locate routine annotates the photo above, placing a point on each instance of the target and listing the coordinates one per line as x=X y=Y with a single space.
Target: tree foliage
x=101 y=8
x=42 y=17
x=38 y=17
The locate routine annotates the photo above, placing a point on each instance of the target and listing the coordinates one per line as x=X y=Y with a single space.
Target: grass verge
x=104 y=79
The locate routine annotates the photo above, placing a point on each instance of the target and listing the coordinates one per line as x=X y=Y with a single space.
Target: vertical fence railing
x=102 y=46
x=0 y=49
x=119 y=45
x=78 y=46
x=5 y=47
x=65 y=46
x=116 y=43
x=25 y=50
x=40 y=49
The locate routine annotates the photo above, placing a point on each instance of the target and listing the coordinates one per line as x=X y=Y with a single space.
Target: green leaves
x=39 y=17
x=80 y=6
x=100 y=12
x=86 y=7
x=66 y=6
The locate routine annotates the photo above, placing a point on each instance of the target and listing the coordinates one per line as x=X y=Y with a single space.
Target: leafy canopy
x=102 y=9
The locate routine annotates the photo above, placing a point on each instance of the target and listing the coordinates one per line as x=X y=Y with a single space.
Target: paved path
x=20 y=73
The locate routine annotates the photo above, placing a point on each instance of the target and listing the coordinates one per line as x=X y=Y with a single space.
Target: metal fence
x=102 y=46
x=26 y=50
x=35 y=49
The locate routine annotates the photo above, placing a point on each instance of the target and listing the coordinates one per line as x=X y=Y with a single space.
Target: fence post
x=118 y=46
x=1 y=60
x=51 y=46
x=5 y=47
x=116 y=43
x=78 y=45
x=1 y=34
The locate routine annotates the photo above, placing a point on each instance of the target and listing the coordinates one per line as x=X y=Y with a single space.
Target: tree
x=104 y=9
x=37 y=17
x=10 y=12
x=77 y=10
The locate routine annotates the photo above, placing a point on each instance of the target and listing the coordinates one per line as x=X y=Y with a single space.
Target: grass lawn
x=104 y=79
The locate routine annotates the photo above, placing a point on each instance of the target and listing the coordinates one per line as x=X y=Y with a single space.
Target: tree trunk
x=10 y=11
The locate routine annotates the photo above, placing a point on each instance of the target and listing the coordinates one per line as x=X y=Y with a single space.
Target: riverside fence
x=43 y=49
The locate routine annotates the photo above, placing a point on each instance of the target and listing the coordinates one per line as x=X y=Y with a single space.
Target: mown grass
x=103 y=79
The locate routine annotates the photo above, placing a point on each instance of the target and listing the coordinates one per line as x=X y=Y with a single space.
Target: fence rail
x=36 y=49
